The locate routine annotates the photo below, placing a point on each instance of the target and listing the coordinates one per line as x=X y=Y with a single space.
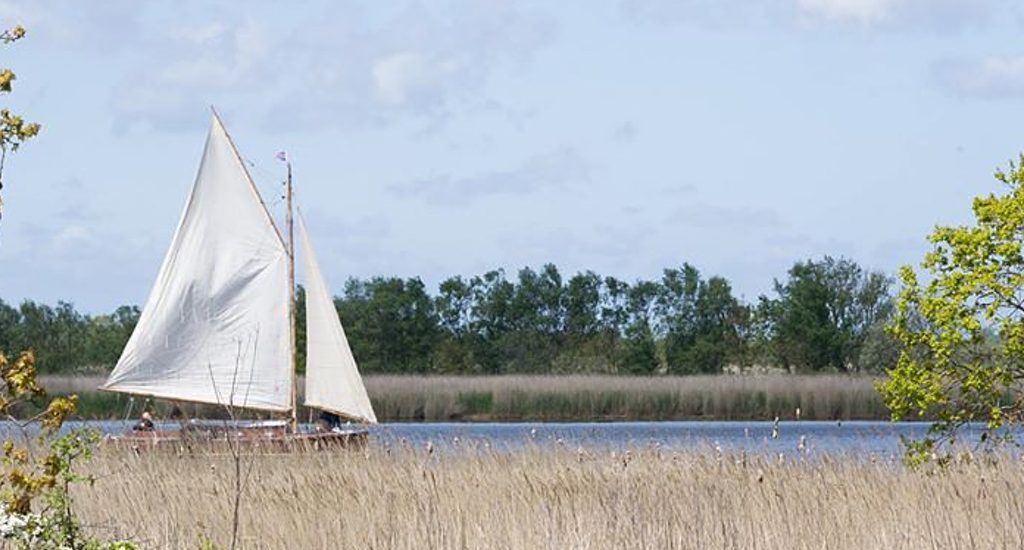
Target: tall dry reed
x=605 y=397
x=581 y=397
x=404 y=498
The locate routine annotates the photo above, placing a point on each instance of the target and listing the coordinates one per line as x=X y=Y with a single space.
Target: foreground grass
x=575 y=398
x=553 y=498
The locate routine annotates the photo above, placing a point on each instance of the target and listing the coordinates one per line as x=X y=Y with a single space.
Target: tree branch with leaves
x=37 y=469
x=14 y=130
x=962 y=328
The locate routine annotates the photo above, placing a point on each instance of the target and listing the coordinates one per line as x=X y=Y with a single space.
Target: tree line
x=826 y=315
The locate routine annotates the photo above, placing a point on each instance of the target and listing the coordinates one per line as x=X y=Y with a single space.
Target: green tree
x=537 y=319
x=391 y=324
x=962 y=329
x=10 y=327
x=702 y=322
x=676 y=308
x=537 y=304
x=582 y=306
x=453 y=304
x=638 y=353
x=587 y=345
x=823 y=314
x=720 y=327
x=614 y=305
x=106 y=335
x=66 y=340
x=491 y=314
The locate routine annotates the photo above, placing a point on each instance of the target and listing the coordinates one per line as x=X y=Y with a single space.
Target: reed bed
x=577 y=397
x=556 y=498
x=604 y=397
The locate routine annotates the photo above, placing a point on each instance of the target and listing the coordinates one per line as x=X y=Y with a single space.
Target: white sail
x=332 y=378
x=215 y=327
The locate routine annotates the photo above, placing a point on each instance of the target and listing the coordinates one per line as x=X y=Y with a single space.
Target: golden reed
x=557 y=498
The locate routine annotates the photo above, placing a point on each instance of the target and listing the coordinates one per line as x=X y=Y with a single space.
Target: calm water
x=866 y=438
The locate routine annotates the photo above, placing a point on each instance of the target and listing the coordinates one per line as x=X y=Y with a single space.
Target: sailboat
x=219 y=324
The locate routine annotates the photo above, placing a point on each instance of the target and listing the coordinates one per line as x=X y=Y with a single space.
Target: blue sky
x=439 y=138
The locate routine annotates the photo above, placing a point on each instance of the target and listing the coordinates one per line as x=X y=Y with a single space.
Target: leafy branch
x=14 y=130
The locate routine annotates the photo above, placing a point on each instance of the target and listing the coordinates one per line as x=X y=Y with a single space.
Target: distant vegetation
x=825 y=316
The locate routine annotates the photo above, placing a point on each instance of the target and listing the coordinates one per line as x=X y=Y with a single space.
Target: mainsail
x=215 y=327
x=332 y=379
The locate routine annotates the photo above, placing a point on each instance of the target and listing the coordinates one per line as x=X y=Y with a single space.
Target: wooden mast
x=293 y=421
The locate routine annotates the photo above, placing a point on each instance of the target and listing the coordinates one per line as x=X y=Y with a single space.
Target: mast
x=293 y=421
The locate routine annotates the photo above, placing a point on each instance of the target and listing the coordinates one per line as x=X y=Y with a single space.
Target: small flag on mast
x=281 y=156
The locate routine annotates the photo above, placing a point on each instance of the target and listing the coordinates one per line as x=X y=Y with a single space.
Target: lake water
x=861 y=438
x=864 y=438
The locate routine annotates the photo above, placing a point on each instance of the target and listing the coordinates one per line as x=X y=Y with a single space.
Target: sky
x=447 y=138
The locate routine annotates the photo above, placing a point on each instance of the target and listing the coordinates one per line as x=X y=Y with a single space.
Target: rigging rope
x=131 y=405
x=261 y=176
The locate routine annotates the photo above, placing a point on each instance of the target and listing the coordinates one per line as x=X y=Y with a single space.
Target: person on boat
x=145 y=424
x=329 y=421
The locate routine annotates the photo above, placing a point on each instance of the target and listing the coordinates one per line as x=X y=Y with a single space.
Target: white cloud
x=422 y=64
x=711 y=14
x=200 y=35
x=902 y=15
x=400 y=76
x=911 y=15
x=603 y=247
x=105 y=28
x=209 y=59
x=861 y=11
x=701 y=215
x=990 y=78
x=625 y=132
x=554 y=169
x=73 y=239
x=329 y=65
x=227 y=57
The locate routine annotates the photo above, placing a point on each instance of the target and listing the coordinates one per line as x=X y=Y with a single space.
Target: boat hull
x=226 y=439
